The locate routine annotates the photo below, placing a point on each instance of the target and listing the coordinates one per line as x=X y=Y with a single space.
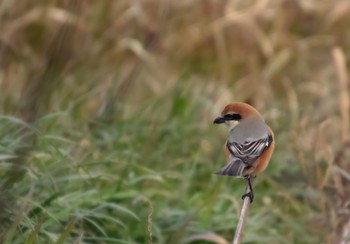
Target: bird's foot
x=250 y=195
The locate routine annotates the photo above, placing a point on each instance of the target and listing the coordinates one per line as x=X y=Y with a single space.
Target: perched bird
x=249 y=145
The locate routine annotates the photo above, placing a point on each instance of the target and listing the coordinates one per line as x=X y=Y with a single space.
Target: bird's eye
x=232 y=116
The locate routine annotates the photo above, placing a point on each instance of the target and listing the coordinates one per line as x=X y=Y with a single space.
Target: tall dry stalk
x=237 y=239
x=344 y=104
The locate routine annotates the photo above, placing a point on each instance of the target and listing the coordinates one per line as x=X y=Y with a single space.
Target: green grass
x=96 y=181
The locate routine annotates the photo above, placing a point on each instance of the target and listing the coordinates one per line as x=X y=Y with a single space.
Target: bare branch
x=242 y=218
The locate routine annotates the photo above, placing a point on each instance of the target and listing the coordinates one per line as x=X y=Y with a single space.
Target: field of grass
x=107 y=110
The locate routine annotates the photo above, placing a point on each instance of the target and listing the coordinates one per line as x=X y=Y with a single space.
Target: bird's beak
x=219 y=120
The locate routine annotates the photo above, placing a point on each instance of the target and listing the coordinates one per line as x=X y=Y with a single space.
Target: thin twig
x=242 y=218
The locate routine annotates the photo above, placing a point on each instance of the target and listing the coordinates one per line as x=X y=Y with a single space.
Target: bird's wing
x=249 y=144
x=244 y=155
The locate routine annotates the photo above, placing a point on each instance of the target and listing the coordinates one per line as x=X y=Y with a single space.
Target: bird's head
x=234 y=113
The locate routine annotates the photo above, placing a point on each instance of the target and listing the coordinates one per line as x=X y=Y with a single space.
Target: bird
x=250 y=143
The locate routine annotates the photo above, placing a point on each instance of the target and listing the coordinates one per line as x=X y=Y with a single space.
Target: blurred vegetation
x=107 y=110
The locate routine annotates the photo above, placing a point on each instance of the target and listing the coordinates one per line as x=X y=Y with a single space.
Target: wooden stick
x=242 y=218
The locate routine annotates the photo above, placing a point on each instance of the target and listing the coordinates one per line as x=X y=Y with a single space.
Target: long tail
x=233 y=168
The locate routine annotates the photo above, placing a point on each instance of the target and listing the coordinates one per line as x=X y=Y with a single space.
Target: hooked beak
x=219 y=120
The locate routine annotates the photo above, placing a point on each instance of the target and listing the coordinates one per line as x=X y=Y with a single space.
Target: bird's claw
x=250 y=195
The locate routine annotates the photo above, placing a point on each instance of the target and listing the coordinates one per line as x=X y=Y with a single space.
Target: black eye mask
x=227 y=117
x=232 y=117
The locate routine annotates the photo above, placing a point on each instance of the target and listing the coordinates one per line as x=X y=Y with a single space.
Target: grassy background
x=107 y=110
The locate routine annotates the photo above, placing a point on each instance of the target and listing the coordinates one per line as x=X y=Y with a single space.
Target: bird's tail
x=233 y=168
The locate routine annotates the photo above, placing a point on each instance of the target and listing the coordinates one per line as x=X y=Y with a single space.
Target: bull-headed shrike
x=249 y=145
